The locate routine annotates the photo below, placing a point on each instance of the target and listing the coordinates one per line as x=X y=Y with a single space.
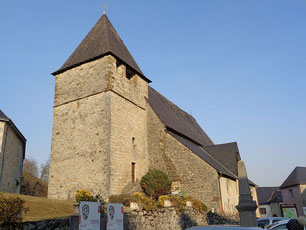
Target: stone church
x=110 y=127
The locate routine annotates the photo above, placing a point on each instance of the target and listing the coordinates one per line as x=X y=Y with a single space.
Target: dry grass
x=43 y=208
x=33 y=186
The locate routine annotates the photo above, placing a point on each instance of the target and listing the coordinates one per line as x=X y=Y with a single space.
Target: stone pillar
x=246 y=206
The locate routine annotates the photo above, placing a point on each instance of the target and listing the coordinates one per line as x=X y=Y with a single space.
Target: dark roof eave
x=292 y=185
x=96 y=58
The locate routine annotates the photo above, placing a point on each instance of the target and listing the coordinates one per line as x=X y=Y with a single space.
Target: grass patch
x=43 y=208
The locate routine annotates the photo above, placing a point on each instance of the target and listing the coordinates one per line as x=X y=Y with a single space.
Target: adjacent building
x=270 y=200
x=288 y=200
x=12 y=153
x=294 y=190
x=110 y=127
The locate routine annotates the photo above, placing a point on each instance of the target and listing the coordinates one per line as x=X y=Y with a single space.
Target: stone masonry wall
x=80 y=151
x=12 y=165
x=80 y=147
x=197 y=178
x=128 y=130
x=99 y=129
x=85 y=80
x=128 y=143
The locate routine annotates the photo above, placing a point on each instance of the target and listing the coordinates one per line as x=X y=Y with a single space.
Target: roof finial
x=104 y=11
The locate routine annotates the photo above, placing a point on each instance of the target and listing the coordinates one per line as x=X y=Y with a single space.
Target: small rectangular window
x=133 y=172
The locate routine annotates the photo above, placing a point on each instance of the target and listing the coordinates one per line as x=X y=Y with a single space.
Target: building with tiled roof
x=294 y=190
x=110 y=127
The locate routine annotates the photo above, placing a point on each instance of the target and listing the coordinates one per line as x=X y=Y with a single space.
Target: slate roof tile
x=177 y=119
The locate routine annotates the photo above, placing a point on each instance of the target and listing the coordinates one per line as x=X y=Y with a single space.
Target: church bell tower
x=99 y=136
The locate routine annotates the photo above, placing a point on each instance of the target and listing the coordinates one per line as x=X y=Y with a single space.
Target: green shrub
x=124 y=199
x=155 y=183
x=85 y=195
x=147 y=203
x=11 y=210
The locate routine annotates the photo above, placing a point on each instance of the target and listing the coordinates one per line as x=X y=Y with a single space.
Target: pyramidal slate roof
x=100 y=41
x=296 y=177
x=177 y=119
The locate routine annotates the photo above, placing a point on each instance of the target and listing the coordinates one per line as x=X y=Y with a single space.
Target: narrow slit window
x=133 y=172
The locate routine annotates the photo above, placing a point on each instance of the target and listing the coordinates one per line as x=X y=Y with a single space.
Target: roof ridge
x=228 y=143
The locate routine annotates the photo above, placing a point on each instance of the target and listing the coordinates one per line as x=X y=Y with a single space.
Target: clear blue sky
x=239 y=67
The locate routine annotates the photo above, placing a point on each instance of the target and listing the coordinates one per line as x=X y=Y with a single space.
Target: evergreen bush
x=155 y=183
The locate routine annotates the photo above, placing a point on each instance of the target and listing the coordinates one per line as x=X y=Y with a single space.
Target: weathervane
x=104 y=11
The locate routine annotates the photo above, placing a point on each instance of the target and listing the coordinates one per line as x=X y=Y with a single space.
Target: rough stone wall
x=12 y=159
x=197 y=178
x=85 y=80
x=52 y=224
x=156 y=139
x=165 y=218
x=128 y=130
x=128 y=143
x=99 y=129
x=80 y=151
x=229 y=194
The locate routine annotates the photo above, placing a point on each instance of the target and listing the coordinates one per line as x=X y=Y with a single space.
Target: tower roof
x=100 y=41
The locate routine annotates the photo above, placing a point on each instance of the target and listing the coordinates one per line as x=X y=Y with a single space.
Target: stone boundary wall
x=54 y=224
x=161 y=219
x=166 y=219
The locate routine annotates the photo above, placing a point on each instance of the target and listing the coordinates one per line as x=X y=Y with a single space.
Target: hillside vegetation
x=43 y=208
x=33 y=186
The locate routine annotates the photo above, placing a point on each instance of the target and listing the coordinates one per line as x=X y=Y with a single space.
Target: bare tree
x=44 y=171
x=30 y=166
